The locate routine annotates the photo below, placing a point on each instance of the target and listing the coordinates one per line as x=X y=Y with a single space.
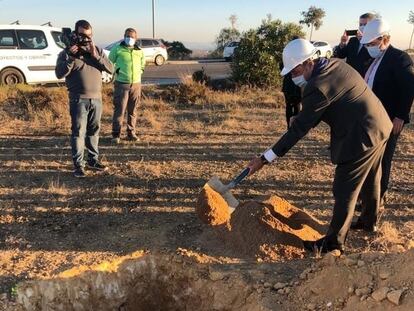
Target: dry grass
x=44 y=108
x=388 y=237
x=56 y=187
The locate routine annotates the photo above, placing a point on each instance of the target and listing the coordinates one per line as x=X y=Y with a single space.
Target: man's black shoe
x=359 y=225
x=97 y=166
x=79 y=172
x=133 y=137
x=321 y=246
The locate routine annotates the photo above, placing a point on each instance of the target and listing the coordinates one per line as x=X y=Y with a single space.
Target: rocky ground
x=51 y=222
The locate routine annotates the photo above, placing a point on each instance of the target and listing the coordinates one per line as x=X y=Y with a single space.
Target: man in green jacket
x=129 y=61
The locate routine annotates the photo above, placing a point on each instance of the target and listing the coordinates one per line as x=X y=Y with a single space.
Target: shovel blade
x=222 y=189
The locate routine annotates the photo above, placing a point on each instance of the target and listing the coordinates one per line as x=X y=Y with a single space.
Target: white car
x=229 y=49
x=154 y=50
x=324 y=48
x=28 y=53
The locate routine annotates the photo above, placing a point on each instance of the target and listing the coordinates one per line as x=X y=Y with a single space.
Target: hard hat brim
x=286 y=70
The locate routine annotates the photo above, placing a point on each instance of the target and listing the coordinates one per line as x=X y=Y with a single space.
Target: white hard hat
x=375 y=29
x=295 y=53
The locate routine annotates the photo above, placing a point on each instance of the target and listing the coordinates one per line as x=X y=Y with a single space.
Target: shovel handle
x=239 y=178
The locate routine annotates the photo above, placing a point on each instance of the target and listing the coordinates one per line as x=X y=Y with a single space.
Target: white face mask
x=129 y=41
x=299 y=81
x=361 y=29
x=374 y=51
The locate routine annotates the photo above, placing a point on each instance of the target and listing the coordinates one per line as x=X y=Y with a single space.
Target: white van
x=28 y=53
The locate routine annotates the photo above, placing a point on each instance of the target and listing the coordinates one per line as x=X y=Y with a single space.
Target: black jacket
x=394 y=83
x=339 y=97
x=360 y=60
x=292 y=92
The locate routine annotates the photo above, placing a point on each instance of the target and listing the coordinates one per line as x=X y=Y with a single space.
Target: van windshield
x=57 y=36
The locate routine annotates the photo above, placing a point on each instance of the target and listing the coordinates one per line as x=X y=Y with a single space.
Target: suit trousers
x=127 y=97
x=386 y=164
x=360 y=177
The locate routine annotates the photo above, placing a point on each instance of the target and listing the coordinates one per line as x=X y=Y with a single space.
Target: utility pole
x=153 y=19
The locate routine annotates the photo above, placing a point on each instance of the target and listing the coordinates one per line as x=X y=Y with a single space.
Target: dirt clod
x=380 y=294
x=211 y=208
x=395 y=296
x=272 y=229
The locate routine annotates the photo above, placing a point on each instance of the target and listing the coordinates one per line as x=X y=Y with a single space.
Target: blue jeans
x=86 y=122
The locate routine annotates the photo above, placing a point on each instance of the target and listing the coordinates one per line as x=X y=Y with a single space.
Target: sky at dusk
x=197 y=23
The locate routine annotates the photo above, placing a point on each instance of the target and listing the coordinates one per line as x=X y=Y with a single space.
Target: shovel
x=224 y=190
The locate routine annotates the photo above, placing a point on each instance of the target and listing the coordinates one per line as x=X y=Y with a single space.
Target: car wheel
x=11 y=76
x=328 y=54
x=159 y=60
x=107 y=78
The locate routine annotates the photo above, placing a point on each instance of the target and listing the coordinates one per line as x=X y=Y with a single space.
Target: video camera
x=71 y=38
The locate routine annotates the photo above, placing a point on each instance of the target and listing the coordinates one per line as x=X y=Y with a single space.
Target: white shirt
x=372 y=70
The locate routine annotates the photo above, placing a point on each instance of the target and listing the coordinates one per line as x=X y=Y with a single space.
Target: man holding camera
x=129 y=62
x=81 y=64
x=351 y=48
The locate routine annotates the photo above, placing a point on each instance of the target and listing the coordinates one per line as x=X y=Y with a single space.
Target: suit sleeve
x=64 y=65
x=404 y=73
x=314 y=105
x=342 y=52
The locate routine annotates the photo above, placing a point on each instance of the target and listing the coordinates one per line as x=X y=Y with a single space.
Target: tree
x=257 y=59
x=233 y=21
x=227 y=35
x=312 y=18
x=411 y=21
x=177 y=50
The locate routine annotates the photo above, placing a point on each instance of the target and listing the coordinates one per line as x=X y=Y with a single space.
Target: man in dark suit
x=355 y=53
x=391 y=77
x=336 y=94
x=293 y=97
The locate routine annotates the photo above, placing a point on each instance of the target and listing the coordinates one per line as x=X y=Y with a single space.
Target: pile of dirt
x=271 y=230
x=150 y=282
x=211 y=208
x=359 y=282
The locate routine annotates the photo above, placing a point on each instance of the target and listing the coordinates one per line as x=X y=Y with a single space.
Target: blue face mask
x=129 y=41
x=300 y=81
x=374 y=51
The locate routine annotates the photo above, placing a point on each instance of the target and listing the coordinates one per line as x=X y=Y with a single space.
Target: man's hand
x=398 y=125
x=73 y=50
x=255 y=165
x=92 y=50
x=344 y=39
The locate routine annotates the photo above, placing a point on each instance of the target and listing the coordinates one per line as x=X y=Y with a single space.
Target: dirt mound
x=271 y=230
x=151 y=282
x=370 y=281
x=211 y=208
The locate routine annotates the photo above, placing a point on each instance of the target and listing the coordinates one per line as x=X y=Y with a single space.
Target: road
x=173 y=72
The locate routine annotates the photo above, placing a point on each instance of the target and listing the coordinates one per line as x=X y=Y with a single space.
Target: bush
x=257 y=60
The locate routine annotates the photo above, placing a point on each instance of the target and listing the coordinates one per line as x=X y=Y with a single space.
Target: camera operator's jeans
x=86 y=122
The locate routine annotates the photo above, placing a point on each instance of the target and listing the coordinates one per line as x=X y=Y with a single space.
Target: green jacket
x=129 y=63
